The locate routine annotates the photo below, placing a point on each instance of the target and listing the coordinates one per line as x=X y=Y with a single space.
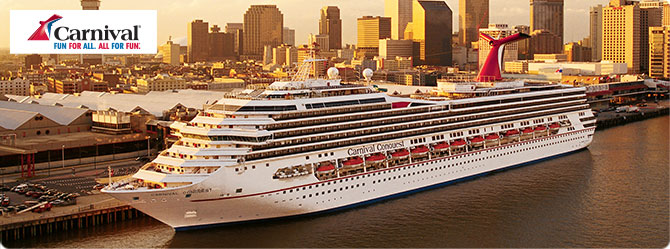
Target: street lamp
x=95 y=158
x=63 y=156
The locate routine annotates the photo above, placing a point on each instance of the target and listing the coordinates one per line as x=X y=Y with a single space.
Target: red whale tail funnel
x=490 y=71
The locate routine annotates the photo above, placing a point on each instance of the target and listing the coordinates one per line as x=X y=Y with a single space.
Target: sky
x=301 y=15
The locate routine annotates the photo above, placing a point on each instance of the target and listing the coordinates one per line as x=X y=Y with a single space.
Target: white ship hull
x=207 y=204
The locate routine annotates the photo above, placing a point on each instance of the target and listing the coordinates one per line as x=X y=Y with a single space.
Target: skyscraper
x=432 y=30
x=236 y=30
x=659 y=52
x=90 y=4
x=323 y=41
x=596 y=32
x=330 y=24
x=198 y=41
x=666 y=14
x=221 y=45
x=548 y=15
x=621 y=34
x=263 y=25
x=372 y=29
x=400 y=12
x=472 y=15
x=170 y=52
x=651 y=15
x=289 y=36
x=524 y=45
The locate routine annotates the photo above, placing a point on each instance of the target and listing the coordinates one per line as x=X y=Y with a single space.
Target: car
x=642 y=104
x=622 y=109
x=36 y=194
x=143 y=159
x=21 y=207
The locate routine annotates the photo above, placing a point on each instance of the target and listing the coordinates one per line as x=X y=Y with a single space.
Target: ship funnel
x=490 y=71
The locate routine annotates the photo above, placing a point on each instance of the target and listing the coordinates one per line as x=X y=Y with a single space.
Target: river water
x=614 y=194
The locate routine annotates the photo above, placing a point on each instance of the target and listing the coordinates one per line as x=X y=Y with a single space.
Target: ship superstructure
x=311 y=145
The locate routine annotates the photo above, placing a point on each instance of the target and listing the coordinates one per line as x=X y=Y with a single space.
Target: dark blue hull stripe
x=378 y=199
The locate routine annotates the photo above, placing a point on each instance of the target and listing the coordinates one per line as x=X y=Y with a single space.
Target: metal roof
x=11 y=119
x=60 y=115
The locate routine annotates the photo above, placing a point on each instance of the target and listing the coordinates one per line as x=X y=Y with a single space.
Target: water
x=615 y=194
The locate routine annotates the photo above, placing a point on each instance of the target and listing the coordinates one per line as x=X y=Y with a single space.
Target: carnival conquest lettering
x=375 y=148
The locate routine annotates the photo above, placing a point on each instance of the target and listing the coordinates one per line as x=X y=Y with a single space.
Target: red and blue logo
x=44 y=31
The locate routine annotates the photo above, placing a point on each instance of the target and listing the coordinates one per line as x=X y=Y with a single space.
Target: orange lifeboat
x=353 y=162
x=477 y=140
x=492 y=137
x=421 y=149
x=326 y=168
x=375 y=158
x=540 y=129
x=528 y=130
x=458 y=143
x=441 y=146
x=511 y=133
x=554 y=126
x=402 y=153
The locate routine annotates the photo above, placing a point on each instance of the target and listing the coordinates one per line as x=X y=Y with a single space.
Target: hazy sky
x=301 y=15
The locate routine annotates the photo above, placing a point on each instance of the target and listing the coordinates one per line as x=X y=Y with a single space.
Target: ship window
x=239 y=190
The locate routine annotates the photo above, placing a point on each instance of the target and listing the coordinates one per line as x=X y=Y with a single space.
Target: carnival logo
x=44 y=31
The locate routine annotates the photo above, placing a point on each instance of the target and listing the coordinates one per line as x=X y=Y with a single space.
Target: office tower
x=577 y=51
x=389 y=49
x=548 y=15
x=544 y=42
x=321 y=41
x=400 y=12
x=524 y=45
x=236 y=30
x=432 y=30
x=289 y=36
x=621 y=34
x=659 y=52
x=32 y=61
x=267 y=54
x=596 y=32
x=279 y=55
x=472 y=15
x=330 y=24
x=90 y=4
x=198 y=41
x=221 y=45
x=170 y=52
x=370 y=31
x=666 y=14
x=263 y=25
x=651 y=15
x=498 y=31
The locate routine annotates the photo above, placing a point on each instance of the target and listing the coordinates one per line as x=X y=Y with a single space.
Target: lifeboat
x=511 y=133
x=375 y=158
x=400 y=153
x=540 y=129
x=554 y=126
x=492 y=137
x=441 y=146
x=528 y=130
x=477 y=140
x=419 y=150
x=328 y=168
x=353 y=162
x=458 y=143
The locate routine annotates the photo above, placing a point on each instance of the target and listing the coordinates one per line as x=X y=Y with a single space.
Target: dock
x=91 y=210
x=615 y=119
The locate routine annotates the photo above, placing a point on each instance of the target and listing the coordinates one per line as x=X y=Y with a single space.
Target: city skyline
x=302 y=17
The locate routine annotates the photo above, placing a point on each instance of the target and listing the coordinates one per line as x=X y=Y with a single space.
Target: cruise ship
x=306 y=146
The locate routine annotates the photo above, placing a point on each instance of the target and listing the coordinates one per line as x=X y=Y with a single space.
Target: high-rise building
x=289 y=36
x=330 y=24
x=221 y=45
x=372 y=29
x=544 y=42
x=621 y=34
x=548 y=15
x=16 y=86
x=170 y=52
x=322 y=41
x=389 y=49
x=666 y=14
x=659 y=52
x=263 y=25
x=596 y=32
x=524 y=45
x=432 y=30
x=236 y=30
x=511 y=52
x=267 y=54
x=651 y=15
x=90 y=4
x=400 y=12
x=279 y=55
x=32 y=61
x=472 y=15
x=577 y=51
x=198 y=41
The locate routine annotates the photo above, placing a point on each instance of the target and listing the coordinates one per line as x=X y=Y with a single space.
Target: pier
x=611 y=119
x=89 y=211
